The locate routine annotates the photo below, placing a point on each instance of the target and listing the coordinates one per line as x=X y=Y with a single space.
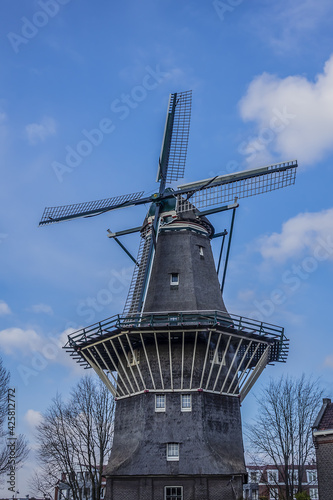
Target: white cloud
x=294 y=116
x=33 y=418
x=37 y=132
x=16 y=339
x=246 y=295
x=4 y=308
x=306 y=232
x=329 y=361
x=41 y=308
x=39 y=350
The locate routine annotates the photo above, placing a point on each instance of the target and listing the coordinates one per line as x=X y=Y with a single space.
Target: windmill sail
x=171 y=167
x=132 y=305
x=225 y=188
x=87 y=209
x=175 y=140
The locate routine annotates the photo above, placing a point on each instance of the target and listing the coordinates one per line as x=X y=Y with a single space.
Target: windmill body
x=204 y=427
x=178 y=364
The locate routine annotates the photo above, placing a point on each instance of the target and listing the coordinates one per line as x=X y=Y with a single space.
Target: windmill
x=176 y=361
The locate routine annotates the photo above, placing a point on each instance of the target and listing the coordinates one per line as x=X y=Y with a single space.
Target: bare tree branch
x=282 y=432
x=75 y=440
x=8 y=460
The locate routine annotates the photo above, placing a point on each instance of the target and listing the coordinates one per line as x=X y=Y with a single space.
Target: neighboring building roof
x=324 y=421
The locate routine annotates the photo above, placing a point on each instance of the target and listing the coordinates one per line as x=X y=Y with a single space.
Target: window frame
x=185 y=408
x=313 y=492
x=133 y=359
x=172 y=457
x=174 y=282
x=312 y=476
x=170 y=496
x=272 y=476
x=217 y=357
x=257 y=476
x=160 y=409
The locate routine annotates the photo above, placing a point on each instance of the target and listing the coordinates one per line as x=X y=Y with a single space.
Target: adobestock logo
x=223 y=8
x=30 y=28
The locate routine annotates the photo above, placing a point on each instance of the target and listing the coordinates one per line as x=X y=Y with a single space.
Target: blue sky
x=262 y=79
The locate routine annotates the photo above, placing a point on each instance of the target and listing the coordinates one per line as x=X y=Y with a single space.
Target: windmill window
x=216 y=357
x=173 y=493
x=133 y=357
x=174 y=279
x=160 y=401
x=172 y=452
x=186 y=402
x=201 y=251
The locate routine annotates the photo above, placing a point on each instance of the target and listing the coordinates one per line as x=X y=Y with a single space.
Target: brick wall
x=324 y=452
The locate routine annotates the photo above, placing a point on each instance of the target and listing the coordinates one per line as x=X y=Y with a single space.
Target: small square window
x=254 y=476
x=173 y=493
x=312 y=476
x=173 y=452
x=174 y=279
x=160 y=402
x=313 y=493
x=273 y=476
x=186 y=402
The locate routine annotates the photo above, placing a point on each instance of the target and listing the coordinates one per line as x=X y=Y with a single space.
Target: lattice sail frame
x=226 y=188
x=86 y=209
x=176 y=135
x=180 y=136
x=138 y=278
x=134 y=355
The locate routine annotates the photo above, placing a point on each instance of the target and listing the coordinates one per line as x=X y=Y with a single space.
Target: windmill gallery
x=176 y=361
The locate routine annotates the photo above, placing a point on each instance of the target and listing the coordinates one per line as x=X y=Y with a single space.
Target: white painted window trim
x=313 y=493
x=159 y=409
x=174 y=279
x=172 y=457
x=133 y=359
x=178 y=487
x=185 y=408
x=272 y=476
